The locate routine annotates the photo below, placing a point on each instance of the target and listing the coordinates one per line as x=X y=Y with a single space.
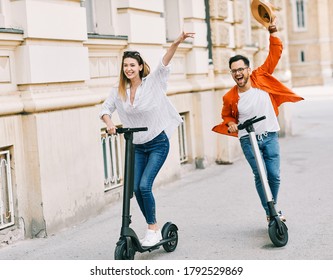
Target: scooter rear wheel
x=170 y=230
x=279 y=237
x=122 y=253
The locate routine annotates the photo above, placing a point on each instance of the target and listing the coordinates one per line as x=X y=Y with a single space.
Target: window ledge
x=11 y=30
x=101 y=36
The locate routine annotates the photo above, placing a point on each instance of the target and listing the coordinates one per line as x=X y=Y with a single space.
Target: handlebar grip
x=128 y=129
x=250 y=122
x=259 y=119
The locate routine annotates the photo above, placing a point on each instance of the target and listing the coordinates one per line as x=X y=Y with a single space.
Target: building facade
x=58 y=61
x=310 y=38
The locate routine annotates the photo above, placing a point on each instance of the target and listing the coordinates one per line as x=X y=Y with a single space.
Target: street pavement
x=217 y=210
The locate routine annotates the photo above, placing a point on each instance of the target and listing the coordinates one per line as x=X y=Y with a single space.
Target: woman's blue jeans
x=270 y=153
x=149 y=158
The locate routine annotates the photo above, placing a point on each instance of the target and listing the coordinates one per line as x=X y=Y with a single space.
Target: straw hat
x=263 y=11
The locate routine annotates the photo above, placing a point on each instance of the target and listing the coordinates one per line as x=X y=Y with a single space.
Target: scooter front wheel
x=278 y=236
x=122 y=252
x=170 y=231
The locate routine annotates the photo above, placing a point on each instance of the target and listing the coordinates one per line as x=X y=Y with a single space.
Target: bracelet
x=272 y=29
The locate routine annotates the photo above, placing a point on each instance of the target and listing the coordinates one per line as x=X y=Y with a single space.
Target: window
x=6 y=192
x=182 y=139
x=111 y=147
x=172 y=19
x=100 y=17
x=302 y=56
x=2 y=16
x=299 y=14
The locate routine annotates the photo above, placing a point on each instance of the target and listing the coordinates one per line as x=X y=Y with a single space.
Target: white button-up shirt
x=151 y=107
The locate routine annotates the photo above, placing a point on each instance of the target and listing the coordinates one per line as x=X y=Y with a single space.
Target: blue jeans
x=270 y=153
x=149 y=158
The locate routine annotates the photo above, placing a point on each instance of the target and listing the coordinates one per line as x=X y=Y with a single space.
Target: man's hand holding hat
x=263 y=12
x=272 y=26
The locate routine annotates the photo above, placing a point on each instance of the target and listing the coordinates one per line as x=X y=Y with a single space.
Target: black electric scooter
x=277 y=229
x=128 y=243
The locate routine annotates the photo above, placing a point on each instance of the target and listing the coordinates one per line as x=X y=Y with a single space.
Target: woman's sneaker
x=143 y=239
x=152 y=237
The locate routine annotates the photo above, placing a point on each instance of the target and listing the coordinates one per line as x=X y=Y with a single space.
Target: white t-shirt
x=256 y=102
x=151 y=107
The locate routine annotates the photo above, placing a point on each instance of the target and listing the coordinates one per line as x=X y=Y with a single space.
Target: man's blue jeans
x=149 y=158
x=270 y=153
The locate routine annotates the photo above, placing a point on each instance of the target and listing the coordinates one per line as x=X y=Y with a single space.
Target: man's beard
x=242 y=83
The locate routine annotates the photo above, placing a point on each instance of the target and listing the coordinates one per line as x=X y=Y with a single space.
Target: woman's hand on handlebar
x=111 y=129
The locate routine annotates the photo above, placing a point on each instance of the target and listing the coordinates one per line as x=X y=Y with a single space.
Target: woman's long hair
x=123 y=80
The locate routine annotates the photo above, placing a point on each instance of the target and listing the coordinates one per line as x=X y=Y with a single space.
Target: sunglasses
x=131 y=53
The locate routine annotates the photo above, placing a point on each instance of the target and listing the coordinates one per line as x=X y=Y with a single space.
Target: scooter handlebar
x=128 y=129
x=250 y=122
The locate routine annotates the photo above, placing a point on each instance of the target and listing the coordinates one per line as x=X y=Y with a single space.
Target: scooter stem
x=260 y=165
x=128 y=178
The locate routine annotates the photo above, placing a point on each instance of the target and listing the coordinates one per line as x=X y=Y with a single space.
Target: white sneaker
x=144 y=238
x=152 y=237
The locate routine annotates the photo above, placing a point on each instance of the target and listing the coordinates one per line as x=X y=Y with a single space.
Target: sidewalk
x=217 y=209
x=315 y=92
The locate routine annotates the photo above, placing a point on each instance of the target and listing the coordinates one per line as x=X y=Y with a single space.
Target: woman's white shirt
x=151 y=107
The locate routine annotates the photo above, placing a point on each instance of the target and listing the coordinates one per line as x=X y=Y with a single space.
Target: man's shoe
x=281 y=216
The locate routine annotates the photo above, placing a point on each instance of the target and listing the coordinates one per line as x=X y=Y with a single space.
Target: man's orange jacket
x=260 y=78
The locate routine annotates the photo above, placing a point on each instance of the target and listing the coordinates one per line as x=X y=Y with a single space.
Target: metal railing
x=6 y=191
x=113 y=174
x=112 y=155
x=182 y=139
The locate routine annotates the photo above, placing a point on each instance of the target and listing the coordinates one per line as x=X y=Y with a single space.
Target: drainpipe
x=209 y=34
